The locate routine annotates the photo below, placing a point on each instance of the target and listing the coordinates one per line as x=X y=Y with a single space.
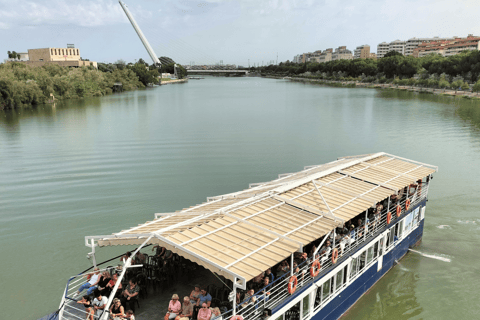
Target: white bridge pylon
x=140 y=34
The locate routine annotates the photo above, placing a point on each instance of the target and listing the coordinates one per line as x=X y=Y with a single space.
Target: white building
x=382 y=49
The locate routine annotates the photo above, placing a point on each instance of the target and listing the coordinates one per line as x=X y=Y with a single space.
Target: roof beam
x=307 y=208
x=353 y=194
x=376 y=183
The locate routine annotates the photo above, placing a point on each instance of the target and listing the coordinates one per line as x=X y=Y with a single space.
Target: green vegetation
x=13 y=55
x=24 y=85
x=433 y=71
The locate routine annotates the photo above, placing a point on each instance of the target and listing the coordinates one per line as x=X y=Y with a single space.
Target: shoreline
x=174 y=81
x=371 y=85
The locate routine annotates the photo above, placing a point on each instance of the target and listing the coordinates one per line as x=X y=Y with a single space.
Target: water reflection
x=467 y=109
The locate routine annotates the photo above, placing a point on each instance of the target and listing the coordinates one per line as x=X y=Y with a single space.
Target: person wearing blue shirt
x=204 y=297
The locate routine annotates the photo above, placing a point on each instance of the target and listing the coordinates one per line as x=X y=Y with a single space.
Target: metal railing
x=346 y=246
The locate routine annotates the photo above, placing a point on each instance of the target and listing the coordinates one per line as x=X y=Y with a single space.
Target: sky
x=234 y=31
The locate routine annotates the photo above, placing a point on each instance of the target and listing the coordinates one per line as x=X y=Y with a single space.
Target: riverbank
x=356 y=84
x=170 y=81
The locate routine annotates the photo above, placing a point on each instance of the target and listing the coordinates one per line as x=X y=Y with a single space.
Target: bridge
x=223 y=73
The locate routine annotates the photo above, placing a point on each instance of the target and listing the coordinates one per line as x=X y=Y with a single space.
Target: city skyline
x=235 y=32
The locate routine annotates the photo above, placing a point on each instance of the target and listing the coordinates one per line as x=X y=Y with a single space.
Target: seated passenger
x=99 y=303
x=174 y=307
x=111 y=284
x=139 y=258
x=92 y=283
x=88 y=307
x=217 y=315
x=129 y=295
x=204 y=313
x=129 y=315
x=204 y=297
x=116 y=310
x=283 y=268
x=102 y=284
x=167 y=257
x=269 y=274
x=249 y=298
x=187 y=309
x=194 y=294
x=125 y=257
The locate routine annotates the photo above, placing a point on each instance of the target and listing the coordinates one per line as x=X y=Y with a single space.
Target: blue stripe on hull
x=340 y=304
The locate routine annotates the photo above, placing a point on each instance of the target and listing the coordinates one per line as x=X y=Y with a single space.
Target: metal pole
x=234 y=296
x=365 y=226
x=334 y=234
x=291 y=265
x=93 y=254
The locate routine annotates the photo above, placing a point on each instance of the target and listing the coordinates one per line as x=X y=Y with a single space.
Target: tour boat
x=237 y=236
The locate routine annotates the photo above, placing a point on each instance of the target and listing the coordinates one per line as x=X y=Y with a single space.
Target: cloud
x=90 y=13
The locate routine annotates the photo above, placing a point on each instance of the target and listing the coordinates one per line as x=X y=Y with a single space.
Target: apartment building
x=342 y=53
x=382 y=49
x=413 y=43
x=362 y=52
x=447 y=47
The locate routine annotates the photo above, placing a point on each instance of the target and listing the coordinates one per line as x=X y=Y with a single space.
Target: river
x=100 y=165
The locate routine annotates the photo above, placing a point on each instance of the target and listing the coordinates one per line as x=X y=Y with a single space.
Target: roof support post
x=128 y=263
x=291 y=265
x=321 y=244
x=234 y=296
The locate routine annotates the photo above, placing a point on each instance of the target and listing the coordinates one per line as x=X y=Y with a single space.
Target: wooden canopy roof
x=241 y=234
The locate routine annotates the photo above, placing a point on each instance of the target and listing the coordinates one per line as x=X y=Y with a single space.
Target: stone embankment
x=174 y=81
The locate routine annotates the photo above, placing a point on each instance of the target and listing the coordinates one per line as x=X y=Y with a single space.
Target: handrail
x=362 y=235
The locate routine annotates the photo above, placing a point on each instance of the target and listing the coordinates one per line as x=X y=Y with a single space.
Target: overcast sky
x=207 y=31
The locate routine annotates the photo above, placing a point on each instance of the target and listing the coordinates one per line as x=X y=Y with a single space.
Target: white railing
x=346 y=246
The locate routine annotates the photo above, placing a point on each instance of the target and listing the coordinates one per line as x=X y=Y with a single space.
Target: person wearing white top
x=99 y=303
x=91 y=284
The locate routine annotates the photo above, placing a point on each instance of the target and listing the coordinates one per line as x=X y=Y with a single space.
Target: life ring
x=334 y=255
x=389 y=217
x=315 y=268
x=292 y=284
x=407 y=204
x=237 y=317
x=399 y=210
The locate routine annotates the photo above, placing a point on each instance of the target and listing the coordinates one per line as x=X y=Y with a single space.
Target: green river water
x=100 y=165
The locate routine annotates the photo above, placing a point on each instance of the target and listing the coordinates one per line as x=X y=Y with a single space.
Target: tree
x=120 y=64
x=476 y=86
x=392 y=54
x=144 y=75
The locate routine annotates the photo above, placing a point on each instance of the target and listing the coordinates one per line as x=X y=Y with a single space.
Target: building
x=297 y=58
x=342 y=53
x=326 y=55
x=66 y=57
x=362 y=52
x=413 y=43
x=447 y=47
x=382 y=49
x=373 y=56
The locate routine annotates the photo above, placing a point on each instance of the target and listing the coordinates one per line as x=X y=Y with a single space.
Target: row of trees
x=25 y=85
x=466 y=64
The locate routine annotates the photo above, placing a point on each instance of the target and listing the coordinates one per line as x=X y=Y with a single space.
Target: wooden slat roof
x=242 y=234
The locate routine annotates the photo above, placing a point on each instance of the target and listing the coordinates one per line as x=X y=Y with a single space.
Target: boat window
x=380 y=246
x=318 y=298
x=400 y=229
x=392 y=235
x=293 y=313
x=353 y=267
x=306 y=306
x=326 y=289
x=339 y=280
x=345 y=274
x=369 y=254
x=387 y=240
x=375 y=249
x=361 y=262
